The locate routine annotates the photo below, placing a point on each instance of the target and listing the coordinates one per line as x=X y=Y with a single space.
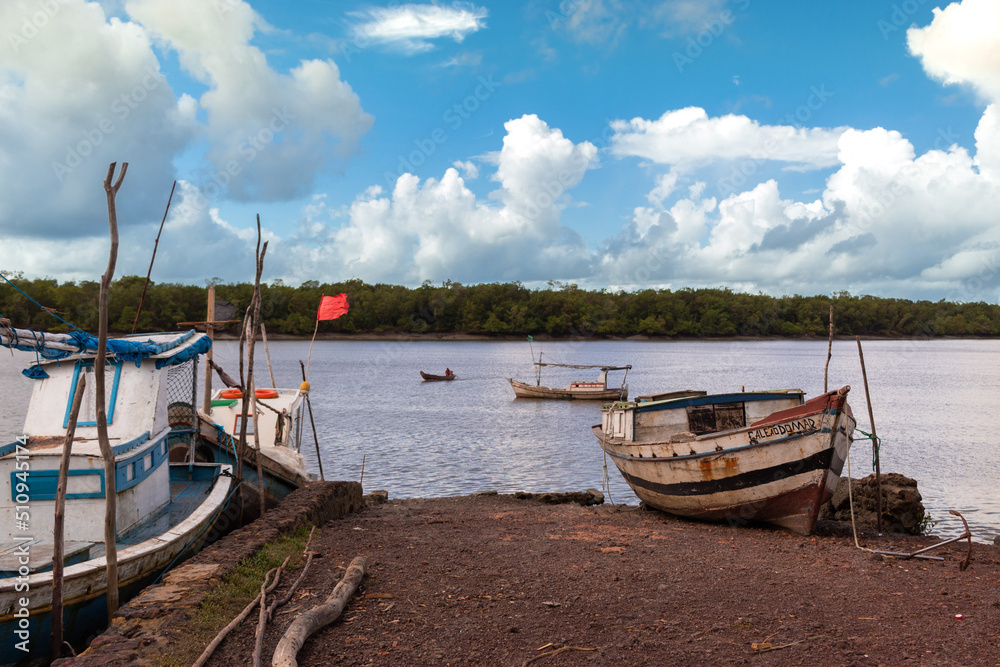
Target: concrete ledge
x=142 y=631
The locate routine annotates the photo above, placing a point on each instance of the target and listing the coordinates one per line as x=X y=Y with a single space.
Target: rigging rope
x=40 y=305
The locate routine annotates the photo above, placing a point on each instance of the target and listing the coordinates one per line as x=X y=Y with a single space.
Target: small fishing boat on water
x=164 y=511
x=597 y=390
x=765 y=456
x=448 y=375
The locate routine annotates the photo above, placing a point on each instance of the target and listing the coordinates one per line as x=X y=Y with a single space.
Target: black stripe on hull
x=819 y=461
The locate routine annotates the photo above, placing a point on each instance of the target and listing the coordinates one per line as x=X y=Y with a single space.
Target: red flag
x=331 y=307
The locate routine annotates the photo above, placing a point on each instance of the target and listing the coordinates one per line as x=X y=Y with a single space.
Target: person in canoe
x=448 y=372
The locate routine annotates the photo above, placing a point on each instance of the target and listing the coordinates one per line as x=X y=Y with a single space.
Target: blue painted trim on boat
x=137 y=464
x=10 y=449
x=42 y=484
x=739 y=397
x=72 y=390
x=118 y=450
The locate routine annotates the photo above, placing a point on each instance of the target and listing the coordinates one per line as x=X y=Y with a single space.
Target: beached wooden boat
x=749 y=456
x=164 y=511
x=597 y=390
x=437 y=378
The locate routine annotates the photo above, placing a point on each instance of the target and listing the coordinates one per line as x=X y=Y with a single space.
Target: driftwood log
x=286 y=653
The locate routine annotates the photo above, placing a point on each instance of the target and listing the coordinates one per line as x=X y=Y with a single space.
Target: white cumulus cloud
x=270 y=133
x=413 y=27
x=688 y=137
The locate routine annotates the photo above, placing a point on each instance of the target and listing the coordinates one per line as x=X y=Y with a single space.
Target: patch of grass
x=235 y=592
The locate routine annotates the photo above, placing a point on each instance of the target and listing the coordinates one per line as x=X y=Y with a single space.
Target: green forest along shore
x=500 y=310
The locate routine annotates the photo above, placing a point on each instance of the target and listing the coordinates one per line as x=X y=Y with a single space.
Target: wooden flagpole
x=305 y=377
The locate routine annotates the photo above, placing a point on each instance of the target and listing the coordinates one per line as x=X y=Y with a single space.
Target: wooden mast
x=206 y=405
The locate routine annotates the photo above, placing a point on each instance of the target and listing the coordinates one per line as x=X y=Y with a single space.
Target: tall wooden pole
x=142 y=298
x=267 y=354
x=59 y=521
x=250 y=378
x=829 y=352
x=206 y=405
x=305 y=392
x=871 y=420
x=111 y=500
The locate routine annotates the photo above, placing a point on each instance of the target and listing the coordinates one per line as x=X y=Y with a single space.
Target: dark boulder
x=902 y=506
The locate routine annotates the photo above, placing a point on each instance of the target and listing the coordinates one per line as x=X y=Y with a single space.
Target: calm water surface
x=934 y=402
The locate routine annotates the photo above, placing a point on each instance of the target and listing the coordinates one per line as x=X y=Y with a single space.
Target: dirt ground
x=493 y=580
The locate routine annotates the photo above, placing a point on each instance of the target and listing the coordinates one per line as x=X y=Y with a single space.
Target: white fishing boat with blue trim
x=764 y=456
x=165 y=511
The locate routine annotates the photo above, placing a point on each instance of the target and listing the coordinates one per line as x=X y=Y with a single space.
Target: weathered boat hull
x=778 y=470
x=579 y=391
x=84 y=584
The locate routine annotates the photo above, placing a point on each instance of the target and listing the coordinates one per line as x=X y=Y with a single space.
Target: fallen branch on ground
x=210 y=649
x=266 y=613
x=561 y=649
x=286 y=653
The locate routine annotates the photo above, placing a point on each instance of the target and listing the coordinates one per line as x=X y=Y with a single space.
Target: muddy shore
x=494 y=580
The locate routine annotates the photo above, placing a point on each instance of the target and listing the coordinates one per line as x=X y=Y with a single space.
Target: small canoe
x=436 y=378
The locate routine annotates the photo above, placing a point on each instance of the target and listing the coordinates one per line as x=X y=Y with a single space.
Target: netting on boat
x=182 y=396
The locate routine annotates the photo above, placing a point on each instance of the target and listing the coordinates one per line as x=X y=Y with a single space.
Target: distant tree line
x=561 y=310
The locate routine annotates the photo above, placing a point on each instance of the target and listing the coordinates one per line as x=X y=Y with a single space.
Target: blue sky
x=779 y=147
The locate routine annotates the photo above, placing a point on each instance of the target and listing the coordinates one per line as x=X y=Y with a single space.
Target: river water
x=934 y=403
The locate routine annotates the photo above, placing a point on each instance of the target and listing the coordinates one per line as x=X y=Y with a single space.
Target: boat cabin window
x=718 y=417
x=88 y=408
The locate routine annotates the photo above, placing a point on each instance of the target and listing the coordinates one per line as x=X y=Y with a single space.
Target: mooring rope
x=850 y=498
x=876 y=446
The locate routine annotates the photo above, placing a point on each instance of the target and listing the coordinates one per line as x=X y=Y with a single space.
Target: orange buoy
x=266 y=393
x=231 y=393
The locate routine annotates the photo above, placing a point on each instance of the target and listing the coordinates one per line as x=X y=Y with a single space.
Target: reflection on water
x=933 y=402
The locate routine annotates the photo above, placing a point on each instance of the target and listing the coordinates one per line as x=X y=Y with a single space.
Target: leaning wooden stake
x=111 y=504
x=59 y=522
x=305 y=392
x=871 y=420
x=156 y=244
x=286 y=654
x=250 y=378
x=829 y=352
x=267 y=355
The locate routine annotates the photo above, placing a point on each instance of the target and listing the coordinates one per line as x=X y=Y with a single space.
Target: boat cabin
x=682 y=415
x=140 y=374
